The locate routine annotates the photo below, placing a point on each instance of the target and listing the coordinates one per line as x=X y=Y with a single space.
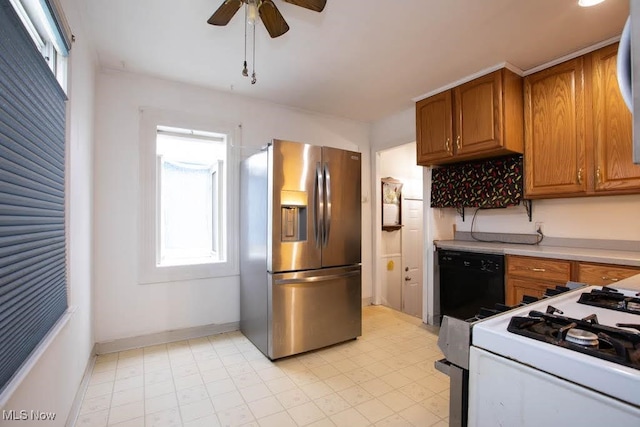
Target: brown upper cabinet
x=615 y=171
x=478 y=119
x=554 y=131
x=578 y=130
x=434 y=129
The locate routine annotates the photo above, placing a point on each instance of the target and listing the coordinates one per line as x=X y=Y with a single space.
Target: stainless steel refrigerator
x=300 y=233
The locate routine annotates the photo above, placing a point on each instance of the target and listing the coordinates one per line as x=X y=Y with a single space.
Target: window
x=189 y=188
x=49 y=31
x=191 y=196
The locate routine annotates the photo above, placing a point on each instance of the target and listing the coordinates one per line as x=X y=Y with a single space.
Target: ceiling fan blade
x=272 y=19
x=316 y=5
x=225 y=12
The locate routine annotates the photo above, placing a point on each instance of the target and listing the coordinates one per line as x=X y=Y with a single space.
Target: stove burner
x=582 y=337
x=611 y=299
x=633 y=306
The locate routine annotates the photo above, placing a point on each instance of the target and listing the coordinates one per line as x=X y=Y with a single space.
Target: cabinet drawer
x=604 y=274
x=539 y=268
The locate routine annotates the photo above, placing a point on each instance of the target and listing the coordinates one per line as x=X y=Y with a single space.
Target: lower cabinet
x=532 y=276
x=603 y=274
x=518 y=288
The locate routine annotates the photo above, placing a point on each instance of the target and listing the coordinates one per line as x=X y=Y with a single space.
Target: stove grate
x=609 y=298
x=613 y=344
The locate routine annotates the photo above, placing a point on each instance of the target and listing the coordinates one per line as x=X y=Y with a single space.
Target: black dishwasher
x=469 y=281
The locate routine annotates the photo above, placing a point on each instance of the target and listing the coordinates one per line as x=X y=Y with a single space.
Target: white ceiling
x=358 y=59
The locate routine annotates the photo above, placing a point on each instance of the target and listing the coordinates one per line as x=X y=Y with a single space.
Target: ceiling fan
x=266 y=9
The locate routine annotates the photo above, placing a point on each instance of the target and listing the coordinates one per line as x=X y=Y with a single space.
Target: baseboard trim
x=367 y=301
x=164 y=337
x=74 y=412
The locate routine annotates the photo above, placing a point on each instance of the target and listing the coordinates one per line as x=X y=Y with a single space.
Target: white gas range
x=529 y=374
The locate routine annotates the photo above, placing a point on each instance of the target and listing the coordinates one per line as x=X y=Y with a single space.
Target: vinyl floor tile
x=384 y=378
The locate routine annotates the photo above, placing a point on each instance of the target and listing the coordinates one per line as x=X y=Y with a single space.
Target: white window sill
x=176 y=273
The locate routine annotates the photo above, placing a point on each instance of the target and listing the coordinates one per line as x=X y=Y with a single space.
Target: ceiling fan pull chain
x=263 y=10
x=253 y=74
x=245 y=71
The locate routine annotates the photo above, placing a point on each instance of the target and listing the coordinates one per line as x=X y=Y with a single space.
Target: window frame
x=149 y=240
x=49 y=31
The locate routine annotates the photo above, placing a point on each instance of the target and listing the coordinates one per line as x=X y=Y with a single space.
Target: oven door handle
x=443 y=365
x=458 y=392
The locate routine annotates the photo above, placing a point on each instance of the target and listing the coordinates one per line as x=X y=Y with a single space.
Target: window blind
x=33 y=292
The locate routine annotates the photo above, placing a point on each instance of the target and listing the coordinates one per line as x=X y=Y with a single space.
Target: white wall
x=52 y=384
x=400 y=163
x=123 y=308
x=605 y=217
x=394 y=130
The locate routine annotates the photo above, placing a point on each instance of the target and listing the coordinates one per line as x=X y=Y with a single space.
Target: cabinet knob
x=541 y=270
x=580 y=176
x=458 y=142
x=598 y=177
x=407 y=278
x=447 y=145
x=612 y=279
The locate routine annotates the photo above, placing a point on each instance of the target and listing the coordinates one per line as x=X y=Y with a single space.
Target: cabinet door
x=434 y=129
x=614 y=168
x=478 y=114
x=603 y=274
x=518 y=288
x=555 y=163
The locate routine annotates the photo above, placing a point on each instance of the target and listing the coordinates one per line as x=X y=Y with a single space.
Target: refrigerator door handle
x=319 y=205
x=327 y=223
x=316 y=278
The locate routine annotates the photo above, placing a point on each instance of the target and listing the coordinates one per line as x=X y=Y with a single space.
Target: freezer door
x=342 y=217
x=293 y=207
x=314 y=309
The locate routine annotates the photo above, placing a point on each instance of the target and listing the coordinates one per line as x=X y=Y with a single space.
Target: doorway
x=399 y=252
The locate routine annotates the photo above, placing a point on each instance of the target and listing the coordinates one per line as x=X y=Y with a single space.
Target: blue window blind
x=33 y=292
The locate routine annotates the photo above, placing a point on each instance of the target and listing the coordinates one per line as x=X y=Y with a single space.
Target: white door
x=412 y=257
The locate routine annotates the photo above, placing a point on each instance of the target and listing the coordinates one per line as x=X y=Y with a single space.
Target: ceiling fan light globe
x=588 y=3
x=252 y=12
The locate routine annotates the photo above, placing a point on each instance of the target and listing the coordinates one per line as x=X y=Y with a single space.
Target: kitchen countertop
x=604 y=256
x=632 y=282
